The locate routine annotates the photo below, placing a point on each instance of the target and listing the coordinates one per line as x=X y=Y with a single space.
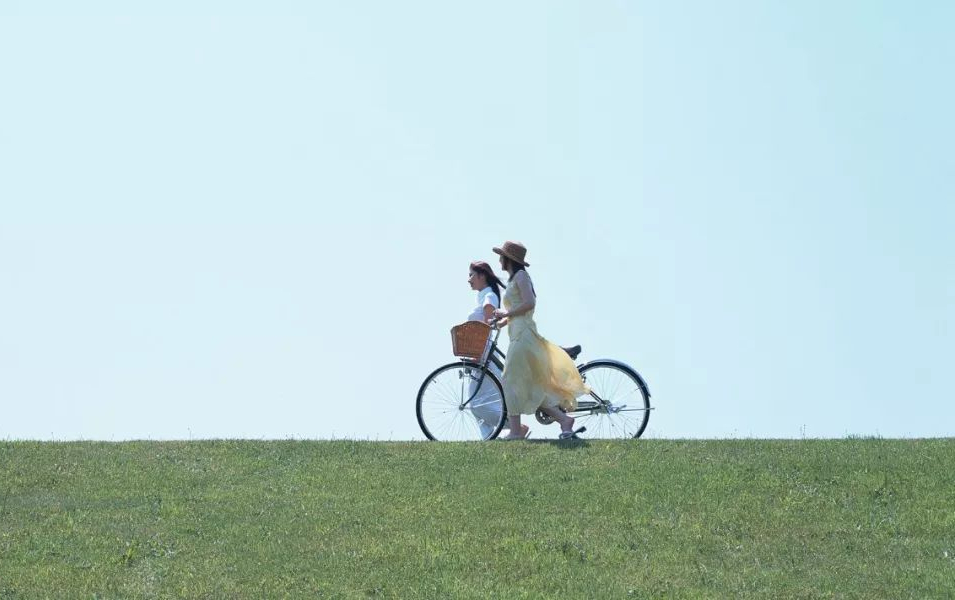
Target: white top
x=484 y=297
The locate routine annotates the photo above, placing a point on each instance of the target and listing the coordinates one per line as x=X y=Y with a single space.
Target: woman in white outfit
x=486 y=405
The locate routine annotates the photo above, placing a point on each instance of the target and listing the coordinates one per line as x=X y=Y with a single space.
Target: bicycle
x=464 y=400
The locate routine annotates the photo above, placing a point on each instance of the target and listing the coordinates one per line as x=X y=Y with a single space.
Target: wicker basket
x=469 y=340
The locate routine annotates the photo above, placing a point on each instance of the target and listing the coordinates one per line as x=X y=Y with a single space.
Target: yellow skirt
x=538 y=373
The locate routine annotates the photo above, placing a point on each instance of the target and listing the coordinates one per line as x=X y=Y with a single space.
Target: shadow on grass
x=577 y=444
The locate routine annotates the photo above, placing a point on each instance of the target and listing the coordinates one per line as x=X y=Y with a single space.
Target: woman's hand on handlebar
x=498 y=319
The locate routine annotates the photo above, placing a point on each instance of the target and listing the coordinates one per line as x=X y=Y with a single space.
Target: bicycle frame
x=600 y=404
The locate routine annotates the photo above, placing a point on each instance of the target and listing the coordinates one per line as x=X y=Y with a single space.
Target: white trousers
x=486 y=405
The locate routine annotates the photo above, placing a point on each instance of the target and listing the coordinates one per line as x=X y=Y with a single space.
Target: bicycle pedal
x=572 y=435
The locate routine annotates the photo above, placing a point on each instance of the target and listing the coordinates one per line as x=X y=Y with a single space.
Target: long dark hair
x=485 y=269
x=512 y=267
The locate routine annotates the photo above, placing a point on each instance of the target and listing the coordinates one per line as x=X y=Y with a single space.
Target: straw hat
x=514 y=251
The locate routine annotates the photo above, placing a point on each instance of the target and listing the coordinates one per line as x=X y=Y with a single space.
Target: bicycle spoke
x=622 y=409
x=439 y=405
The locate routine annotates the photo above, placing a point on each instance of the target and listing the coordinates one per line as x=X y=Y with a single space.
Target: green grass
x=856 y=518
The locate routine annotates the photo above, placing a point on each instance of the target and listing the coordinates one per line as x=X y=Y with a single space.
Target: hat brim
x=502 y=253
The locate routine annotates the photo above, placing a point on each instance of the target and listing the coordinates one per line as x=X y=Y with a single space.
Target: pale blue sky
x=255 y=219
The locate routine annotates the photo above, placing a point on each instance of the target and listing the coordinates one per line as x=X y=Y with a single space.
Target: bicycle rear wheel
x=444 y=412
x=619 y=403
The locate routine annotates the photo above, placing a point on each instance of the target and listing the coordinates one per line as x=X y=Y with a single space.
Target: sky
x=254 y=220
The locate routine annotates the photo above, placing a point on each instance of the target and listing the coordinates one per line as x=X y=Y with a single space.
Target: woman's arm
x=523 y=282
x=488 y=312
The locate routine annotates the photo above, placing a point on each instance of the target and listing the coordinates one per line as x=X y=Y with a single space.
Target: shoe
x=511 y=436
x=571 y=435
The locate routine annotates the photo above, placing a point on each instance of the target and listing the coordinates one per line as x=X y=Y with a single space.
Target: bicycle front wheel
x=461 y=401
x=618 y=405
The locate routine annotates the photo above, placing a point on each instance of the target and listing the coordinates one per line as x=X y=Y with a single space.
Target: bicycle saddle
x=573 y=351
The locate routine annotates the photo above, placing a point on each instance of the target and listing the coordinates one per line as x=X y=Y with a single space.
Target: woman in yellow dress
x=537 y=373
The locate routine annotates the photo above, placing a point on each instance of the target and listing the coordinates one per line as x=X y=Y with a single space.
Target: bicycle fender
x=621 y=365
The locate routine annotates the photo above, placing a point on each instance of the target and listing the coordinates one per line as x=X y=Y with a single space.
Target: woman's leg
x=518 y=431
x=566 y=421
x=485 y=409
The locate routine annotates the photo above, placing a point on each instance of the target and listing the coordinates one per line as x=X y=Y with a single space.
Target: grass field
x=855 y=518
